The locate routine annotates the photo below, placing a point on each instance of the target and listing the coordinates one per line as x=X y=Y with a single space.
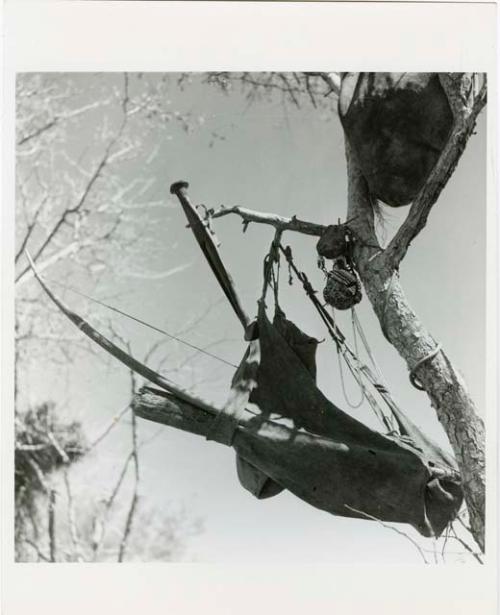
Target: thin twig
x=391 y=527
x=88 y=188
x=62 y=453
x=39 y=474
x=52 y=524
x=135 y=458
x=38 y=131
x=446 y=536
x=332 y=80
x=71 y=520
x=128 y=526
x=466 y=546
x=29 y=230
x=112 y=423
x=100 y=524
x=37 y=549
x=464 y=525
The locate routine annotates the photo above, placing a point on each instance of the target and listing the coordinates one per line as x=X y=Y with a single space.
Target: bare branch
x=135 y=458
x=38 y=131
x=33 y=544
x=29 y=230
x=62 y=453
x=71 y=519
x=100 y=524
x=27 y=274
x=39 y=474
x=332 y=80
x=56 y=120
x=112 y=423
x=52 y=524
x=278 y=222
x=394 y=529
x=466 y=546
x=88 y=188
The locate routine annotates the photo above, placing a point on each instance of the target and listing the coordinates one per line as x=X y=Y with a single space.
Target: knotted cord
x=413 y=378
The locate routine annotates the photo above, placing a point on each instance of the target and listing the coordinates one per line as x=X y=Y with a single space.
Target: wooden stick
x=278 y=222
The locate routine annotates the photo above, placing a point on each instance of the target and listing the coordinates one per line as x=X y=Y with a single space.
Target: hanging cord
x=413 y=378
x=272 y=269
x=377 y=380
x=341 y=374
x=344 y=391
x=357 y=329
x=381 y=383
x=144 y=323
x=357 y=368
x=276 y=281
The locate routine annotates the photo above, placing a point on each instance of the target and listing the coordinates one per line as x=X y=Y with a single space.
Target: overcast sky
x=293 y=164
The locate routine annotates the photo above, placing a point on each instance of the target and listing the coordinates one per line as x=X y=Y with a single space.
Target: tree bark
x=402 y=328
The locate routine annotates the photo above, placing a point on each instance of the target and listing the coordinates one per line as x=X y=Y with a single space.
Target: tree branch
x=135 y=458
x=103 y=162
x=52 y=524
x=278 y=222
x=332 y=80
x=402 y=328
x=465 y=114
x=112 y=423
x=391 y=527
x=71 y=519
x=33 y=544
x=29 y=230
x=466 y=546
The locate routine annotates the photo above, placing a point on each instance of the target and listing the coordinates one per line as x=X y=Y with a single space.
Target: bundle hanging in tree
x=397 y=125
x=343 y=287
x=334 y=242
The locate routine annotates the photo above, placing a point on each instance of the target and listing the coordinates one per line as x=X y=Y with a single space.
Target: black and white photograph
x=250 y=311
x=295 y=296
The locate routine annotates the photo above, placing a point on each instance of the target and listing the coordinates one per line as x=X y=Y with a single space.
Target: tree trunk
x=402 y=328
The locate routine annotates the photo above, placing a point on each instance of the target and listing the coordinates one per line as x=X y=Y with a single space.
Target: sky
x=290 y=163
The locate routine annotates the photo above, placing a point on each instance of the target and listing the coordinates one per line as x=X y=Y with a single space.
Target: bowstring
x=144 y=323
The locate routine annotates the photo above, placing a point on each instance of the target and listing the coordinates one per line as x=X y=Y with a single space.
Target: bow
x=114 y=350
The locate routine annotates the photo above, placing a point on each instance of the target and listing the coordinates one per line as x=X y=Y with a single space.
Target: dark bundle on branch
x=43 y=444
